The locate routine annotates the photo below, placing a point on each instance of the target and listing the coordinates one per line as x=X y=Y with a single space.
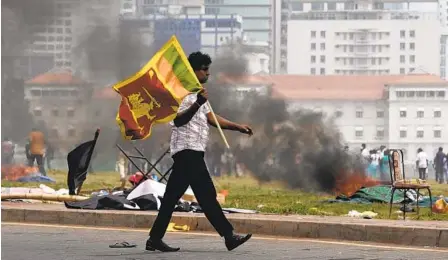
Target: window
x=403 y=113
x=54 y=133
x=440 y=94
x=313 y=71
x=359 y=113
x=412 y=34
x=313 y=34
x=380 y=132
x=322 y=71
x=403 y=133
x=313 y=59
x=420 y=113
x=412 y=46
x=322 y=59
x=359 y=132
x=313 y=46
x=402 y=46
x=55 y=112
x=380 y=113
x=402 y=71
x=430 y=94
x=412 y=59
x=70 y=112
x=420 y=132
x=37 y=112
x=402 y=59
x=322 y=46
x=339 y=113
x=437 y=133
x=322 y=34
x=71 y=132
x=410 y=94
x=402 y=33
x=68 y=22
x=420 y=94
x=437 y=113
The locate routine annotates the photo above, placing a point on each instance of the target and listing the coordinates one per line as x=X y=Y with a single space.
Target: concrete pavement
x=412 y=233
x=29 y=241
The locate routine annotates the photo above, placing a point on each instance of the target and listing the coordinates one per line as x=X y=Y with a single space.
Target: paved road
x=23 y=242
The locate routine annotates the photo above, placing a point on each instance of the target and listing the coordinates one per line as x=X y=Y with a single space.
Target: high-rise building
x=71 y=19
x=360 y=38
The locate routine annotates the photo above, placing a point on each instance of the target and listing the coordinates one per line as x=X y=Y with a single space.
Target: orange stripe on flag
x=166 y=71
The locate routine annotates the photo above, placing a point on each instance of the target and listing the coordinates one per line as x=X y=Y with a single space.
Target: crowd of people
x=37 y=151
x=377 y=163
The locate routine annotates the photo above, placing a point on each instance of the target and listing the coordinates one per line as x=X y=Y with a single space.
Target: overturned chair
x=162 y=175
x=399 y=181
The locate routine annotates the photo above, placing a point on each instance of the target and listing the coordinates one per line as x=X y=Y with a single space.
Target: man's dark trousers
x=190 y=169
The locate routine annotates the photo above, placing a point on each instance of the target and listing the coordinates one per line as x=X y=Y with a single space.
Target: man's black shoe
x=236 y=240
x=153 y=245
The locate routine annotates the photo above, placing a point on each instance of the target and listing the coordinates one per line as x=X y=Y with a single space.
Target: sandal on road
x=122 y=245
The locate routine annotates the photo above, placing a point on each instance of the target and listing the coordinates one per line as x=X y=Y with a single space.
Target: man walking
x=438 y=164
x=421 y=163
x=189 y=136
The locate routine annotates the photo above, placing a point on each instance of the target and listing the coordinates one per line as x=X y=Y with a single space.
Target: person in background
x=385 y=170
x=364 y=152
x=445 y=168
x=421 y=163
x=122 y=168
x=438 y=165
x=49 y=155
x=373 y=166
x=8 y=151
x=37 y=150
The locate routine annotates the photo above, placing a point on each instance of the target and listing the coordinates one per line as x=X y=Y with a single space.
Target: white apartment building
x=364 y=47
x=399 y=111
x=369 y=37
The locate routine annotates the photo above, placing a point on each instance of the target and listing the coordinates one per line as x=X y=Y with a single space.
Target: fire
x=14 y=172
x=348 y=184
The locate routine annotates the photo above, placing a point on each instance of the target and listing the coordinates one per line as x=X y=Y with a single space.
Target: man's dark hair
x=199 y=59
x=440 y=149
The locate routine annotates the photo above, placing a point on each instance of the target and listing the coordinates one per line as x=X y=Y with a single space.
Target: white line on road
x=359 y=244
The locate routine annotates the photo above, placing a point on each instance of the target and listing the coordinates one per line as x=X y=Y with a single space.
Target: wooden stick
x=219 y=127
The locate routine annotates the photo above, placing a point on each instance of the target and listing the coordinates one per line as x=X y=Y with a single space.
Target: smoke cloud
x=302 y=149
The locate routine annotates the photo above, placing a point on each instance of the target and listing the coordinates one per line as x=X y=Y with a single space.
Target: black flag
x=78 y=163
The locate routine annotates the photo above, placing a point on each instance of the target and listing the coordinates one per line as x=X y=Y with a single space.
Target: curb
x=261 y=225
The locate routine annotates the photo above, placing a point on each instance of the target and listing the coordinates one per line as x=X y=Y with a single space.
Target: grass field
x=268 y=198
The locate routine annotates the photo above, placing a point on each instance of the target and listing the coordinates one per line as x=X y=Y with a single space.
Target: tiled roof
x=56 y=78
x=105 y=93
x=333 y=87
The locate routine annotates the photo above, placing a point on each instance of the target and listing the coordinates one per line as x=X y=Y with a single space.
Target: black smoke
x=302 y=149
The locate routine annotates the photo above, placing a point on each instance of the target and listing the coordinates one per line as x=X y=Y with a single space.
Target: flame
x=348 y=184
x=16 y=171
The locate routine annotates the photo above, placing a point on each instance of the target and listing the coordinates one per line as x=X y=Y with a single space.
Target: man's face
x=202 y=74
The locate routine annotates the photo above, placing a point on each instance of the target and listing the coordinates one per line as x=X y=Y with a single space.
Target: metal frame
x=163 y=176
x=416 y=187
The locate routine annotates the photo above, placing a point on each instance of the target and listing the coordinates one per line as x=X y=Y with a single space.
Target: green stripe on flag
x=180 y=69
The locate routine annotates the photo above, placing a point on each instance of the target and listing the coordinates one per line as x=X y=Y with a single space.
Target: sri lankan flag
x=154 y=93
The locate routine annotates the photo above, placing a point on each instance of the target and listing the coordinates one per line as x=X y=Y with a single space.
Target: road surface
x=28 y=241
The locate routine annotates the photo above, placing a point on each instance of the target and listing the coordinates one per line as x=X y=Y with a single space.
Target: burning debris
x=304 y=150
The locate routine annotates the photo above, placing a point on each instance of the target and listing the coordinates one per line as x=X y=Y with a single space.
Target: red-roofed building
x=405 y=111
x=61 y=101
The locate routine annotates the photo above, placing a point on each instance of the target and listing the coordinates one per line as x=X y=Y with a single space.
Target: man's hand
x=202 y=97
x=245 y=129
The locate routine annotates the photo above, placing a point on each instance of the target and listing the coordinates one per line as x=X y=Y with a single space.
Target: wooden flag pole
x=219 y=127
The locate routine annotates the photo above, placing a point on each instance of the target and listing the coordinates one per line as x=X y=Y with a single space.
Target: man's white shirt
x=193 y=135
x=422 y=160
